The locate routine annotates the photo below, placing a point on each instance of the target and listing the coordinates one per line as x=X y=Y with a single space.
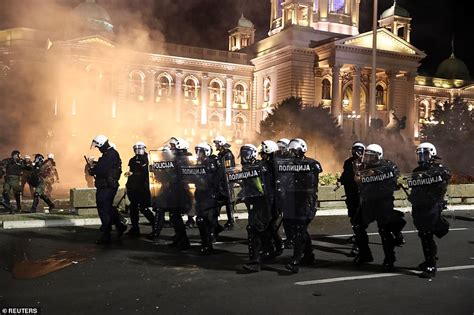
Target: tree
x=293 y=119
x=451 y=130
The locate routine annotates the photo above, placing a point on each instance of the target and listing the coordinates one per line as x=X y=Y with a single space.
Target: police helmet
x=248 y=153
x=139 y=148
x=357 y=149
x=39 y=158
x=15 y=152
x=268 y=147
x=298 y=145
x=203 y=149
x=220 y=141
x=51 y=156
x=373 y=153
x=426 y=151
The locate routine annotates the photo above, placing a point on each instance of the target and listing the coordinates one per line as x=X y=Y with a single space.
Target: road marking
x=404 y=232
x=379 y=275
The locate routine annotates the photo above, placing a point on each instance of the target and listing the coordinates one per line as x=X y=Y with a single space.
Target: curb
x=28 y=224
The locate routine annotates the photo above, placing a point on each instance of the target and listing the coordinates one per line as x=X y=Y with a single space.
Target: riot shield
x=427 y=187
x=377 y=183
x=167 y=185
x=296 y=187
x=244 y=182
x=200 y=179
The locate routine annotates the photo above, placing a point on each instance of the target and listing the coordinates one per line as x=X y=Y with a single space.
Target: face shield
x=201 y=154
x=16 y=157
x=357 y=152
x=139 y=150
x=423 y=155
x=246 y=155
x=370 y=157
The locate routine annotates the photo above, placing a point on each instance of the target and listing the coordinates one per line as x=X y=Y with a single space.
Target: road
x=61 y=271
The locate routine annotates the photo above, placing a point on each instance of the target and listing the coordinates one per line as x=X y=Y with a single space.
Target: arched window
x=266 y=90
x=163 y=83
x=239 y=125
x=380 y=97
x=136 y=88
x=216 y=92
x=423 y=110
x=190 y=88
x=326 y=90
x=240 y=94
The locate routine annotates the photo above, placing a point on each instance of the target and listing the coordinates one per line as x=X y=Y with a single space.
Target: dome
x=243 y=22
x=452 y=68
x=395 y=9
x=94 y=16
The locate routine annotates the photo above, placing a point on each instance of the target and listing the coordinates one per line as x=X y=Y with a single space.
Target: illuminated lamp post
x=353 y=116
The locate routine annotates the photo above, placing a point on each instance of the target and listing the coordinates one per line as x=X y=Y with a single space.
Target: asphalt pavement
x=61 y=271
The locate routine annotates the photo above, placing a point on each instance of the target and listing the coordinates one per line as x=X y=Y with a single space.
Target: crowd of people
x=274 y=180
x=39 y=174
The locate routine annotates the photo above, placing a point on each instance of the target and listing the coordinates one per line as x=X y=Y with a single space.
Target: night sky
x=205 y=23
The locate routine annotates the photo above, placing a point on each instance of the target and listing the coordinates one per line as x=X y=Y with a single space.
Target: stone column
x=204 y=98
x=356 y=95
x=412 y=124
x=178 y=88
x=372 y=110
x=318 y=86
x=229 y=99
x=336 y=105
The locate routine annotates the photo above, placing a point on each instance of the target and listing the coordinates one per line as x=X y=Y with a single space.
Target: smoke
x=57 y=98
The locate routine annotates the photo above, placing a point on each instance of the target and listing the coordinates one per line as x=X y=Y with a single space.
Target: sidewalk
x=67 y=218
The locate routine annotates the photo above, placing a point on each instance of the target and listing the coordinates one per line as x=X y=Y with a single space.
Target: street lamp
x=353 y=116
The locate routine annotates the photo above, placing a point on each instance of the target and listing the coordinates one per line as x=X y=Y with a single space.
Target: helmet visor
x=423 y=155
x=357 y=152
x=370 y=157
x=246 y=154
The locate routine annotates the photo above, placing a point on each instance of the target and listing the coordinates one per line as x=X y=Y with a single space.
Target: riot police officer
x=52 y=176
x=282 y=147
x=107 y=173
x=138 y=188
x=377 y=180
x=205 y=195
x=428 y=184
x=297 y=186
x=259 y=209
x=226 y=160
x=180 y=199
x=274 y=242
x=12 y=168
x=347 y=179
x=38 y=178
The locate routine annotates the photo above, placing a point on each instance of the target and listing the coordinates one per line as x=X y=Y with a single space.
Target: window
x=240 y=94
x=239 y=124
x=326 y=90
x=303 y=16
x=136 y=87
x=162 y=87
x=266 y=90
x=215 y=92
x=380 y=95
x=190 y=89
x=214 y=125
x=338 y=6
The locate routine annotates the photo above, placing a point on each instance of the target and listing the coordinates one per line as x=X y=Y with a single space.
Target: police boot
x=48 y=202
x=103 y=239
x=148 y=214
x=181 y=241
x=428 y=267
x=6 y=202
x=388 y=244
x=229 y=209
x=6 y=205
x=308 y=255
x=254 y=251
x=277 y=240
x=399 y=240
x=157 y=226
x=18 y=202
x=35 y=202
x=134 y=218
x=364 y=254
x=298 y=232
x=205 y=232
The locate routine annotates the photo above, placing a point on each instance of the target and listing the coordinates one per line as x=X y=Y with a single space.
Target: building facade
x=313 y=51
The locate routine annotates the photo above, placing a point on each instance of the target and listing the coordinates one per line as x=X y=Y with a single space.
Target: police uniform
x=377 y=183
x=428 y=187
x=107 y=173
x=297 y=187
x=12 y=181
x=138 y=191
x=38 y=180
x=52 y=177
